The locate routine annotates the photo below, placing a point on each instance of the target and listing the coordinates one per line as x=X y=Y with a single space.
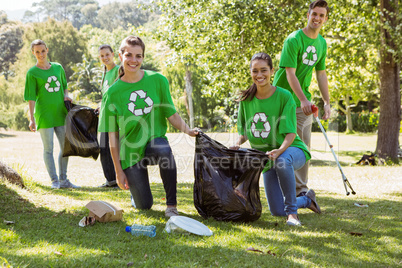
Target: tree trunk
x=189 y=91
x=8 y=173
x=390 y=96
x=349 y=123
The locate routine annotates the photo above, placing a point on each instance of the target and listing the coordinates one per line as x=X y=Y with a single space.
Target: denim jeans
x=280 y=184
x=106 y=158
x=157 y=152
x=46 y=135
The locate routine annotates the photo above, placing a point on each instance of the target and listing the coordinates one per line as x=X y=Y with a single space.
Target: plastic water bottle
x=137 y=230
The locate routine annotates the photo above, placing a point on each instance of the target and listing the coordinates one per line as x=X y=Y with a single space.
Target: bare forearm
x=242 y=139
x=274 y=154
x=179 y=123
x=323 y=85
x=295 y=84
x=66 y=97
x=31 y=109
x=289 y=138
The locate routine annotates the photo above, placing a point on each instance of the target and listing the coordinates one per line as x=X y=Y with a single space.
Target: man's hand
x=327 y=111
x=306 y=107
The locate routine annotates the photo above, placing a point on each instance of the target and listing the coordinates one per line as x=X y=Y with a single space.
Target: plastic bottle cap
x=128 y=229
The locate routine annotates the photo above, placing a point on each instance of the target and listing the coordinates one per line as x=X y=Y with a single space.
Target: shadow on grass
x=322 y=163
x=2 y=135
x=323 y=240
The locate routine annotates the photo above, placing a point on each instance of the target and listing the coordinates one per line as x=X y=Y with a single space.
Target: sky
x=11 y=5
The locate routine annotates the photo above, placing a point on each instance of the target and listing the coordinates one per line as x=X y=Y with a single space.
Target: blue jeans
x=280 y=183
x=46 y=135
x=157 y=152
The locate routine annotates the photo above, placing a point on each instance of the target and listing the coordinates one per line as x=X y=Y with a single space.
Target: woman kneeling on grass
x=267 y=118
x=134 y=112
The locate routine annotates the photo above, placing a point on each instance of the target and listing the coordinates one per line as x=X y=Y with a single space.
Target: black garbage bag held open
x=81 y=132
x=226 y=183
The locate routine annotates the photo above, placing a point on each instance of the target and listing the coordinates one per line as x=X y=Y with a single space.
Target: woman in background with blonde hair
x=46 y=91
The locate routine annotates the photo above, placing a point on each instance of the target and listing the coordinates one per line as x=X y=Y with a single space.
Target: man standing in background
x=304 y=50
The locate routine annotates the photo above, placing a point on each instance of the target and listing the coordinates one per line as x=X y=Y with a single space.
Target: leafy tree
x=352 y=61
x=90 y=15
x=115 y=14
x=390 y=90
x=73 y=10
x=3 y=17
x=86 y=79
x=66 y=45
x=221 y=37
x=10 y=44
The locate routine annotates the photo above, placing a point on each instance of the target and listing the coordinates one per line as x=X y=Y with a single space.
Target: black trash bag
x=226 y=183
x=81 y=132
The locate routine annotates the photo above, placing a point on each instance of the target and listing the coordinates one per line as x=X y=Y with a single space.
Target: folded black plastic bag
x=81 y=132
x=226 y=183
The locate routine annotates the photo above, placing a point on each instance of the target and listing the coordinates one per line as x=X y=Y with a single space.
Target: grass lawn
x=45 y=231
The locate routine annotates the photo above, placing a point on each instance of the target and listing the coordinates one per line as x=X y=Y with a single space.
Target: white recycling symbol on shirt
x=267 y=127
x=142 y=95
x=49 y=81
x=310 y=49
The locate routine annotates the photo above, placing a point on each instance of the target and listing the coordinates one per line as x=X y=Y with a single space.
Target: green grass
x=46 y=223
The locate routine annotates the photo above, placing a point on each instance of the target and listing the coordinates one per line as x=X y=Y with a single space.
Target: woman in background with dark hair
x=267 y=119
x=110 y=73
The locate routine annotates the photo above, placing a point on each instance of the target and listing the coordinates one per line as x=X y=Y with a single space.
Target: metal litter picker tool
x=345 y=180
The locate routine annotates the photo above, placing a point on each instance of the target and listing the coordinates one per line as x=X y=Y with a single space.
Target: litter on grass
x=360 y=205
x=269 y=252
x=182 y=224
x=87 y=221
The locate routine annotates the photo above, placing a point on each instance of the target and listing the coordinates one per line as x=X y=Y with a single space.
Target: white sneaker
x=293 y=222
x=171 y=211
x=55 y=185
x=68 y=184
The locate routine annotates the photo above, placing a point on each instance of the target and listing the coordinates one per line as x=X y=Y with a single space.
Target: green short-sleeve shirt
x=304 y=54
x=266 y=122
x=109 y=78
x=46 y=88
x=138 y=111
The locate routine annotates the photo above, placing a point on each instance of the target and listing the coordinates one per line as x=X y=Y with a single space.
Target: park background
x=203 y=48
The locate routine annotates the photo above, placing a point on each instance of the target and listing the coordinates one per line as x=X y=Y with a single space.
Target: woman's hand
x=234 y=147
x=32 y=125
x=121 y=180
x=193 y=132
x=97 y=111
x=67 y=98
x=274 y=154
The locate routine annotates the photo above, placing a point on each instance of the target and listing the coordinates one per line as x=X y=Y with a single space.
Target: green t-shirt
x=266 y=122
x=303 y=53
x=109 y=78
x=46 y=88
x=138 y=111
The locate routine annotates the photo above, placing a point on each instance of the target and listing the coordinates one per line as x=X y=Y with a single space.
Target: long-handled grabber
x=345 y=180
